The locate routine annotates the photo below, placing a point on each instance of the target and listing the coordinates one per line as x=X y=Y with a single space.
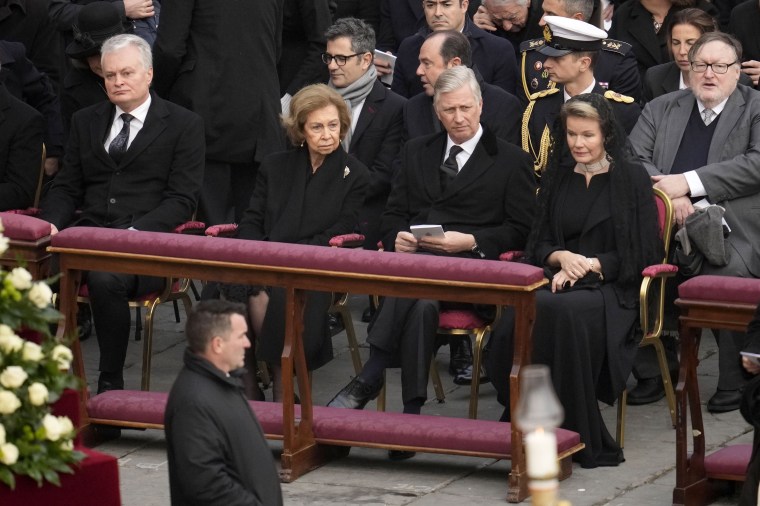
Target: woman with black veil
x=595 y=231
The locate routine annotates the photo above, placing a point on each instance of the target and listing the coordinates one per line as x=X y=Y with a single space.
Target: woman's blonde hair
x=309 y=99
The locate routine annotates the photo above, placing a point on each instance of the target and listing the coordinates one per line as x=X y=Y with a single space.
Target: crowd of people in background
x=533 y=125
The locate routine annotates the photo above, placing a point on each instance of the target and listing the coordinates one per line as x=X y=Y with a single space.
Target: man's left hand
x=451 y=242
x=674 y=185
x=752 y=69
x=51 y=165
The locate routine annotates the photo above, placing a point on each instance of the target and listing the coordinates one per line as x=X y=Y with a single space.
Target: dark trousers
x=407 y=328
x=226 y=192
x=110 y=294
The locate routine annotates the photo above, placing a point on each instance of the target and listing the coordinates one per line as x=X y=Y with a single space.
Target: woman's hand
x=405 y=243
x=750 y=365
x=574 y=265
x=561 y=280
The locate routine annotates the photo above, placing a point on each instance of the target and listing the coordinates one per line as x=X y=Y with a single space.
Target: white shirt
x=139 y=113
x=356 y=111
x=696 y=188
x=468 y=147
x=587 y=90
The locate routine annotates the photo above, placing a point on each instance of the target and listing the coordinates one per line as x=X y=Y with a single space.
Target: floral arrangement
x=33 y=442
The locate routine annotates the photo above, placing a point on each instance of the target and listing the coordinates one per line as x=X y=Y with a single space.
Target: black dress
x=583 y=333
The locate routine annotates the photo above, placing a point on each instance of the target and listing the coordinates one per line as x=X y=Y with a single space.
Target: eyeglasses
x=718 y=68
x=340 y=60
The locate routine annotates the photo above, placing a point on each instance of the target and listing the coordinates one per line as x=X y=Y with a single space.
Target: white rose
x=4 y=243
x=9 y=342
x=67 y=427
x=67 y=445
x=13 y=376
x=20 y=278
x=9 y=403
x=32 y=352
x=2 y=434
x=62 y=355
x=41 y=295
x=52 y=427
x=38 y=394
x=8 y=454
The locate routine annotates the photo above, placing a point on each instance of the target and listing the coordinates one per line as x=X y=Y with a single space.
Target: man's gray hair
x=499 y=3
x=454 y=78
x=118 y=42
x=361 y=35
x=585 y=7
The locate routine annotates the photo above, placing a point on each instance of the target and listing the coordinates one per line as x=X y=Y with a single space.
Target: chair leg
x=196 y=294
x=477 y=365
x=138 y=323
x=341 y=307
x=666 y=381
x=176 y=311
x=187 y=303
x=148 y=346
x=621 y=408
x=436 y=379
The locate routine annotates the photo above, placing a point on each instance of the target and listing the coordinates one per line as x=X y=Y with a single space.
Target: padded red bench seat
x=343 y=427
x=723 y=289
x=729 y=463
x=29 y=238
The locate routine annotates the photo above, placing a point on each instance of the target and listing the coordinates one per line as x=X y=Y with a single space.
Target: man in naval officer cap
x=571 y=48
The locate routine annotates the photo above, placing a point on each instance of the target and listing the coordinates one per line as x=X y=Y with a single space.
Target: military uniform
x=615 y=69
x=543 y=110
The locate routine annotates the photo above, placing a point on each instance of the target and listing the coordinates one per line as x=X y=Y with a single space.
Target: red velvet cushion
x=225 y=228
x=459 y=319
x=731 y=460
x=94 y=483
x=341 y=240
x=24 y=228
x=654 y=270
x=721 y=288
x=298 y=256
x=191 y=227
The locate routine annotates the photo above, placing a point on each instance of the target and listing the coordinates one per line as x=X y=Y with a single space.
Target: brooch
x=346 y=172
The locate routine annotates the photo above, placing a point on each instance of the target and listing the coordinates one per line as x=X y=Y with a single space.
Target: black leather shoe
x=84 y=322
x=464 y=377
x=335 y=322
x=724 y=401
x=396 y=455
x=460 y=363
x=110 y=381
x=647 y=390
x=368 y=313
x=355 y=395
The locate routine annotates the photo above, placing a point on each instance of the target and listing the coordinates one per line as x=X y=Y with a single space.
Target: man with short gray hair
x=134 y=162
x=480 y=190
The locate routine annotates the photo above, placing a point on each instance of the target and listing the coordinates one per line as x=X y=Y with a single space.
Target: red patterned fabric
x=223 y=229
x=657 y=269
x=341 y=240
x=298 y=256
x=459 y=319
x=24 y=228
x=721 y=288
x=190 y=227
x=511 y=256
x=731 y=460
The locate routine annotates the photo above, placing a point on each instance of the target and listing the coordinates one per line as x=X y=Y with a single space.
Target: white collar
x=139 y=112
x=587 y=90
x=717 y=109
x=467 y=146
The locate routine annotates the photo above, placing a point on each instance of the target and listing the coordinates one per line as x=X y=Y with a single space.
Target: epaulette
x=530 y=45
x=545 y=93
x=617 y=97
x=616 y=46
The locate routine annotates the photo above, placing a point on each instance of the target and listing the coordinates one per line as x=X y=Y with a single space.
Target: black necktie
x=118 y=145
x=450 y=168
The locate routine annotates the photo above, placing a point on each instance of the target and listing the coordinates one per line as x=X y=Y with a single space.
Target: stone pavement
x=367 y=477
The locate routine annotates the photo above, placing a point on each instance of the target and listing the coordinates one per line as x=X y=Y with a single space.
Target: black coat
x=26 y=21
x=21 y=130
x=745 y=20
x=153 y=188
x=494 y=57
x=492 y=197
x=81 y=88
x=25 y=82
x=501 y=115
x=632 y=23
x=532 y=29
x=304 y=23
x=216 y=448
x=376 y=142
x=234 y=91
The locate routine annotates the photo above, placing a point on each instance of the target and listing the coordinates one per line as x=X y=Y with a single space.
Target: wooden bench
x=299 y=268
x=29 y=239
x=707 y=302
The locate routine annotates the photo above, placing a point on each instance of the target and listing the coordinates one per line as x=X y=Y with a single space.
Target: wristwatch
x=476 y=249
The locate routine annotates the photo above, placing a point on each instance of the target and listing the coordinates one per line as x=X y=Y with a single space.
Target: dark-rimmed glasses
x=340 y=60
x=718 y=68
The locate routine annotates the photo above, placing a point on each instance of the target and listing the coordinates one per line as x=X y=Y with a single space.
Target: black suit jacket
x=501 y=115
x=282 y=210
x=26 y=21
x=153 y=188
x=219 y=59
x=492 y=197
x=745 y=20
x=494 y=57
x=21 y=129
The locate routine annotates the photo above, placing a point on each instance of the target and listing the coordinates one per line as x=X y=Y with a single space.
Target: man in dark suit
x=234 y=90
x=376 y=123
x=485 y=208
x=701 y=144
x=493 y=56
x=444 y=50
x=514 y=20
x=615 y=68
x=21 y=129
x=26 y=21
x=745 y=18
x=135 y=163
x=572 y=48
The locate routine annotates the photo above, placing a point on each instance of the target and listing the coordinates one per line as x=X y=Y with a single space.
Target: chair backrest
x=664 y=218
x=40 y=178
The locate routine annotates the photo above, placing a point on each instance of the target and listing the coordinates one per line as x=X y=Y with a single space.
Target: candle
x=541 y=454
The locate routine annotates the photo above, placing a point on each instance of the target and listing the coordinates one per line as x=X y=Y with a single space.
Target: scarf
x=354 y=94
